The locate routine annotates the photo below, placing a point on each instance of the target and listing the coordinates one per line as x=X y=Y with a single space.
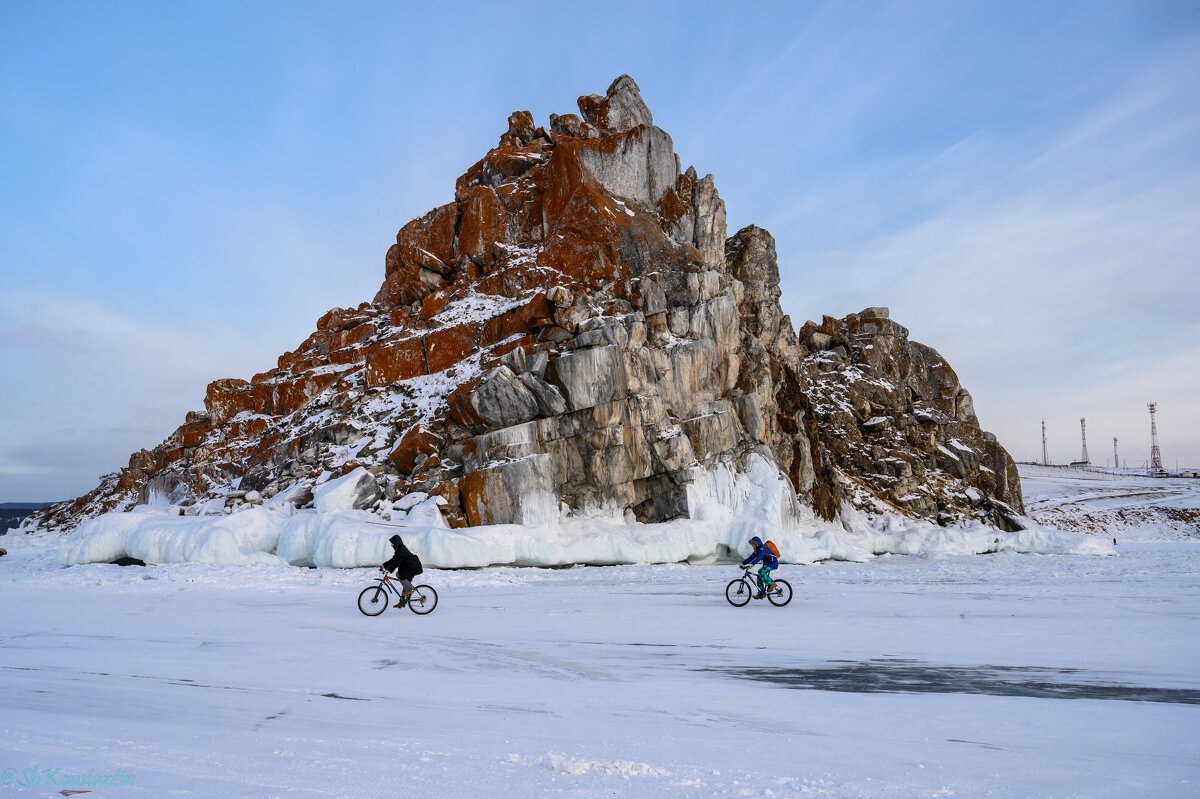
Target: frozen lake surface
x=997 y=675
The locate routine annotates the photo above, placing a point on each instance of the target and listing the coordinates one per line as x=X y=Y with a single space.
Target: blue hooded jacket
x=761 y=553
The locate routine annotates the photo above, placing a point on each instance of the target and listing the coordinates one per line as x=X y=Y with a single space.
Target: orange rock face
x=402 y=285
x=194 y=433
x=429 y=241
x=484 y=224
x=447 y=346
x=352 y=336
x=418 y=443
x=481 y=493
x=392 y=361
x=227 y=398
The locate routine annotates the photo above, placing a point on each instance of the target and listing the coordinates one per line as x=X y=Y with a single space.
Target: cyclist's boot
x=403 y=599
x=760 y=595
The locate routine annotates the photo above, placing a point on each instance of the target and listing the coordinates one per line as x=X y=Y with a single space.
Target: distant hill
x=13 y=513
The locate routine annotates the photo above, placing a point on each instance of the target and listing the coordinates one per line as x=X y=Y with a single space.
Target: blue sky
x=185 y=188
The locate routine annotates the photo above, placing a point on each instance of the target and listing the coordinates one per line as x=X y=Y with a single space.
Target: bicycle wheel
x=738 y=592
x=373 y=600
x=780 y=593
x=423 y=600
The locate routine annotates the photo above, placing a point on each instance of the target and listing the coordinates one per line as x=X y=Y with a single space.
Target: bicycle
x=741 y=590
x=375 y=599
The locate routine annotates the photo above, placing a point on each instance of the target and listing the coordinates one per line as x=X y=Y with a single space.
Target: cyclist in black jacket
x=406 y=565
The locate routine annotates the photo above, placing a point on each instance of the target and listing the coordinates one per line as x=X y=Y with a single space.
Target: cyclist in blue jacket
x=762 y=554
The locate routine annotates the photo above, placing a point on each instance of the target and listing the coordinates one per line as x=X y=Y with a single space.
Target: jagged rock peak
x=620 y=109
x=573 y=333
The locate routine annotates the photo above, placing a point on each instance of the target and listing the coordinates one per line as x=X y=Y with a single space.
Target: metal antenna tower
x=1116 y=460
x=1155 y=455
x=1045 y=460
x=1083 y=430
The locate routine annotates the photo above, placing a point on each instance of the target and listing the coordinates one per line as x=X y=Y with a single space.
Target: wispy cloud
x=88 y=384
x=1070 y=287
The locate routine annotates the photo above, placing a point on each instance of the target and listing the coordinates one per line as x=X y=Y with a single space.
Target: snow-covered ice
x=1003 y=675
x=940 y=674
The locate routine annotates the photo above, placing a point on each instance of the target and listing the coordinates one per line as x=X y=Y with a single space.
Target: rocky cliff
x=575 y=334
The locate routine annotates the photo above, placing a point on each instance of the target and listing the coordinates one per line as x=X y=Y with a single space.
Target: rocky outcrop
x=575 y=333
x=892 y=417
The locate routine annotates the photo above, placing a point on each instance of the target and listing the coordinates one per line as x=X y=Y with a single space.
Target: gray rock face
x=549 y=399
x=511 y=492
x=716 y=430
x=502 y=399
x=590 y=377
x=709 y=231
x=641 y=166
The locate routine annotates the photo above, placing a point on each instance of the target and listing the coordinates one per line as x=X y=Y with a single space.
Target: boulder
x=227 y=398
x=484 y=223
x=428 y=242
x=417 y=443
x=356 y=490
x=502 y=399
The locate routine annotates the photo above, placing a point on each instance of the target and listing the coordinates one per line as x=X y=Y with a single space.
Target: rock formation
x=573 y=333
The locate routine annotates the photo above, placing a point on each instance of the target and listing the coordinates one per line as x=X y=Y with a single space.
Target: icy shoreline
x=351 y=539
x=728 y=509
x=348 y=539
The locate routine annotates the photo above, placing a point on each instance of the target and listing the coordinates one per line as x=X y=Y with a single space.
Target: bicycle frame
x=387 y=582
x=752 y=576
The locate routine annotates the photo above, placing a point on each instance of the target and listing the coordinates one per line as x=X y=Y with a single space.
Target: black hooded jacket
x=404 y=562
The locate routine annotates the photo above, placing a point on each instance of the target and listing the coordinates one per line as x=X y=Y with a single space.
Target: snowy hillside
x=1125 y=506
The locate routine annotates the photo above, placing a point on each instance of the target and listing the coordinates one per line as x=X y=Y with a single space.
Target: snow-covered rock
x=356 y=490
